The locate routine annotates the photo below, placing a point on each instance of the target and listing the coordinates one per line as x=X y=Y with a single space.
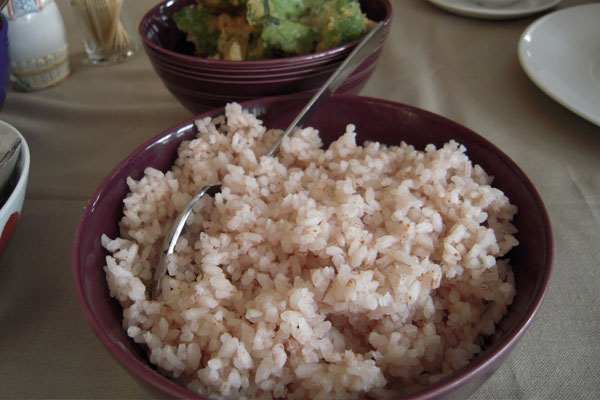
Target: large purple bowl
x=378 y=120
x=4 y=61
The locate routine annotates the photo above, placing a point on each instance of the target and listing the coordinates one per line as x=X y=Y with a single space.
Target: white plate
x=561 y=54
x=518 y=9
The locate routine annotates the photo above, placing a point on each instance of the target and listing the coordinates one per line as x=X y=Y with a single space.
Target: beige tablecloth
x=464 y=69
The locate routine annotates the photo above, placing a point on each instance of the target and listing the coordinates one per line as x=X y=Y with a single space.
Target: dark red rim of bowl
x=257 y=63
x=143 y=371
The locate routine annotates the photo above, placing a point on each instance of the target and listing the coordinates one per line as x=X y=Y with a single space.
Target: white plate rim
x=491 y=13
x=532 y=75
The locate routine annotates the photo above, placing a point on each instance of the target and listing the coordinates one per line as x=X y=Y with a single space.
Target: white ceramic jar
x=39 y=54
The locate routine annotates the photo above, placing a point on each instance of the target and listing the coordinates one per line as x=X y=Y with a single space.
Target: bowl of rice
x=386 y=252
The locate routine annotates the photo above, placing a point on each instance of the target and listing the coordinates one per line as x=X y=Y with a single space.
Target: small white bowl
x=10 y=210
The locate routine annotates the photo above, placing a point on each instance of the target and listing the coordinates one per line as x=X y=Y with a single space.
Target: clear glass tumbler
x=108 y=34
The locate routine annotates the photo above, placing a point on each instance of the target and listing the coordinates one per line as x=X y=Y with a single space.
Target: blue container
x=4 y=64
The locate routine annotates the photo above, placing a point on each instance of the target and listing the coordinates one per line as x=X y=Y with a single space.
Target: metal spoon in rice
x=367 y=46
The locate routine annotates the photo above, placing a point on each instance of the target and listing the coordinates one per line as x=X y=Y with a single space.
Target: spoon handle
x=365 y=48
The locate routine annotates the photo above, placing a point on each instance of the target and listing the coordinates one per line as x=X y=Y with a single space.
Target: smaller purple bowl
x=376 y=120
x=4 y=59
x=190 y=78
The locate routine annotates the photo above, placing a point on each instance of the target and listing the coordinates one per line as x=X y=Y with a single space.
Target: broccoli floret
x=270 y=27
x=341 y=21
x=200 y=27
x=288 y=36
x=258 y=10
